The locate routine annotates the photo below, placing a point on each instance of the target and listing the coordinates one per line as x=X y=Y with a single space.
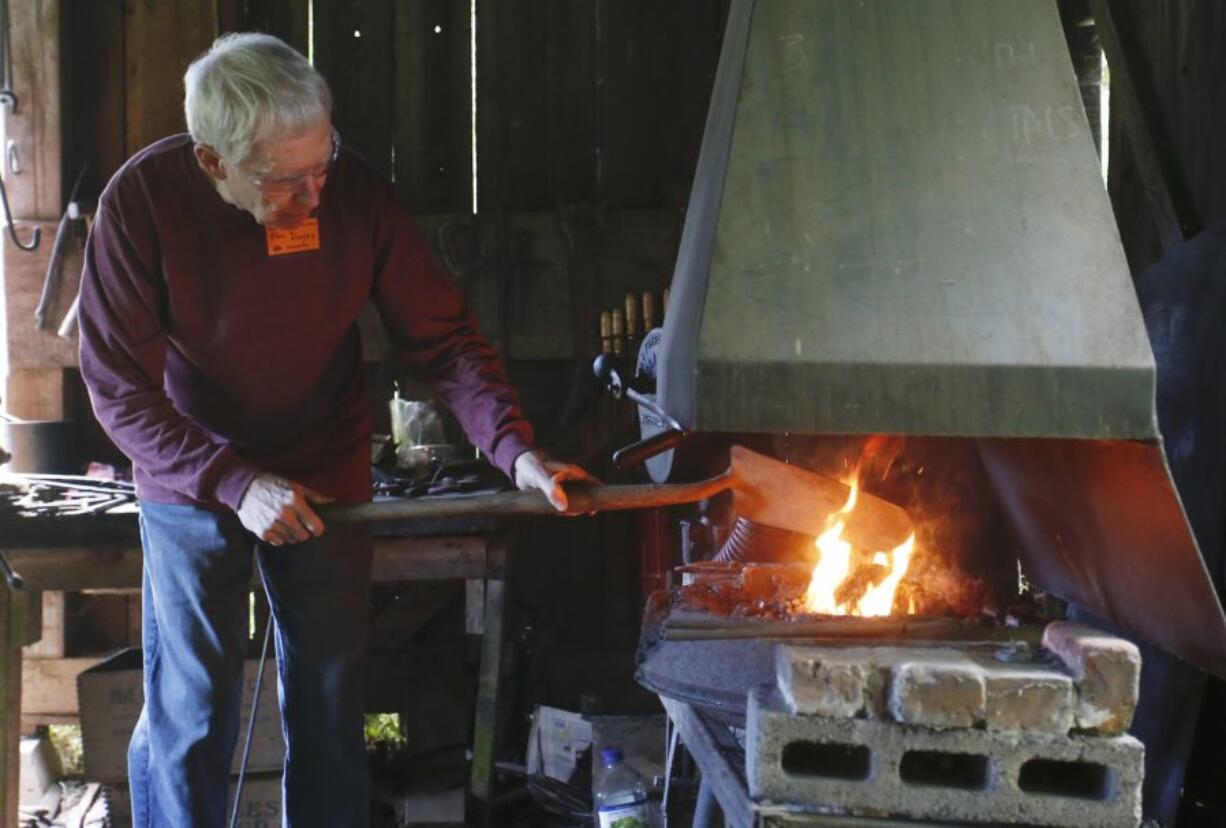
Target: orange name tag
x=293 y=239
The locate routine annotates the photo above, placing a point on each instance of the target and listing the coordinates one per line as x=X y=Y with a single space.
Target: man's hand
x=535 y=470
x=279 y=511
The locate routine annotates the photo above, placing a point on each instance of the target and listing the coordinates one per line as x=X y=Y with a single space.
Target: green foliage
x=384 y=727
x=67 y=741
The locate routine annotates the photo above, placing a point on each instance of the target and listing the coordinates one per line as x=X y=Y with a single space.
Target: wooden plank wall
x=598 y=102
x=1184 y=64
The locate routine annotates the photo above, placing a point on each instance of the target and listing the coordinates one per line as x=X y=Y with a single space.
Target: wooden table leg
x=14 y=621
x=485 y=725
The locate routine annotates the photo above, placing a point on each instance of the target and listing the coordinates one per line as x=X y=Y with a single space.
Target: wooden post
x=489 y=682
x=50 y=643
x=31 y=376
x=32 y=387
x=13 y=621
x=34 y=128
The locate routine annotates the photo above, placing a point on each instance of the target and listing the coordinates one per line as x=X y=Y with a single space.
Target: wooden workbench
x=103 y=552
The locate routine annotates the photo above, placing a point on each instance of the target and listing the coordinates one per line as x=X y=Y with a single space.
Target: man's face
x=281 y=183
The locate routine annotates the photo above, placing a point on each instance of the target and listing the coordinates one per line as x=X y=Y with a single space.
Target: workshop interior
x=889 y=330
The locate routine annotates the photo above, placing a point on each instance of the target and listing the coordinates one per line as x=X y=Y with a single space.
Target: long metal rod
x=255 y=706
x=944 y=631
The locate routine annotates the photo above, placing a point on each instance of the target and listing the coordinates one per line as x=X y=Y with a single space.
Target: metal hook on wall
x=35 y=238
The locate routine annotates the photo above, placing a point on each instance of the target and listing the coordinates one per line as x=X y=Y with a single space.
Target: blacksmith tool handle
x=68 y=328
x=636 y=453
x=583 y=498
x=642 y=451
x=14 y=580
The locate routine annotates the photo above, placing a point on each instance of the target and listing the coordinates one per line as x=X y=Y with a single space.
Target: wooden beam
x=49 y=686
x=423 y=558
x=1133 y=99
x=32 y=382
x=50 y=643
x=418 y=559
x=34 y=128
x=28 y=723
x=13 y=619
x=78 y=567
x=34 y=393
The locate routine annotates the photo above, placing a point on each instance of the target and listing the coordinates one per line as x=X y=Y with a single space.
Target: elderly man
x=223 y=280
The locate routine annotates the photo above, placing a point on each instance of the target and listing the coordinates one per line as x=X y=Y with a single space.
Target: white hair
x=248 y=88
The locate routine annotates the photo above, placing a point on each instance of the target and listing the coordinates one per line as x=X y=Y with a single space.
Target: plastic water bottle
x=621 y=796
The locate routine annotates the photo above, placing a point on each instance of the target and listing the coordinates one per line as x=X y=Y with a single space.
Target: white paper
x=555 y=742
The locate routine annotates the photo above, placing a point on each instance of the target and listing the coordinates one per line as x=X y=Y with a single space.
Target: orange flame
x=834 y=570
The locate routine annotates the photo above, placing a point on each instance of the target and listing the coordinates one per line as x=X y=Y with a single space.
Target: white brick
x=1106 y=669
x=824 y=681
x=938 y=688
x=1028 y=697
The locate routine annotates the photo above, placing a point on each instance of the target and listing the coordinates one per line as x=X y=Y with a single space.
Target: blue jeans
x=197 y=576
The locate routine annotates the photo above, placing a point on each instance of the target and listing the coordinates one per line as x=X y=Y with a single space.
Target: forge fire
x=931 y=573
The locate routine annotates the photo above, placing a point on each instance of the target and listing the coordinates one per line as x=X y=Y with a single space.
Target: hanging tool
x=68 y=327
x=55 y=267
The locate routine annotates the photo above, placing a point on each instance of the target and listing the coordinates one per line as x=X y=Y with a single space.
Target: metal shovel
x=763 y=489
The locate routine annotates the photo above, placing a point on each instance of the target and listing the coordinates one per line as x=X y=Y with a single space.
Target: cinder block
x=1107 y=672
x=938 y=688
x=876 y=768
x=1027 y=697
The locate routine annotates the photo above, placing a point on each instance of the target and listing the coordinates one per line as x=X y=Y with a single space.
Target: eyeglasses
x=279 y=186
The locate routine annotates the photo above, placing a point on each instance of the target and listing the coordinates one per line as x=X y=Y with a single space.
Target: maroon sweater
x=209 y=361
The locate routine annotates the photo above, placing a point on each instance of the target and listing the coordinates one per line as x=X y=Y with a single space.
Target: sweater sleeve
x=427 y=317
x=123 y=343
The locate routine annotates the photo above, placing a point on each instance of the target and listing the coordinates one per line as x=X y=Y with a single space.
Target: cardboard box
x=111 y=696
x=260 y=807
